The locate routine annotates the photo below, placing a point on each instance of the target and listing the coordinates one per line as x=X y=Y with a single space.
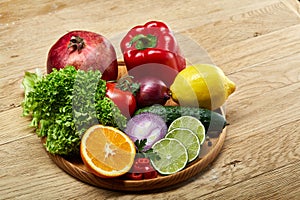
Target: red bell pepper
x=152 y=50
x=142 y=169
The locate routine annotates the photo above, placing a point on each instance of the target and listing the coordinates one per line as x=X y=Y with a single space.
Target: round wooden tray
x=209 y=151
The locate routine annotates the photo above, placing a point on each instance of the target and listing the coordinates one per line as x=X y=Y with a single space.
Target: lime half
x=191 y=123
x=173 y=156
x=188 y=139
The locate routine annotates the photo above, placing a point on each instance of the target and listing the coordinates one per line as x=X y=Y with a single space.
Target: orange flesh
x=108 y=150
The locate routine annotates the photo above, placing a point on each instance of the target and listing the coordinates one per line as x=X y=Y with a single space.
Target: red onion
x=146 y=126
x=152 y=91
x=86 y=51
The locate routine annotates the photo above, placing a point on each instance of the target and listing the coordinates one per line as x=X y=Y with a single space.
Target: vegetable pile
x=80 y=90
x=65 y=103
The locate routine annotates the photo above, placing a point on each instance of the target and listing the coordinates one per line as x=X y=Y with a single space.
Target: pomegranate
x=86 y=51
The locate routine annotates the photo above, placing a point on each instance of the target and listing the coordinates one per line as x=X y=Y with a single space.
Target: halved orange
x=106 y=151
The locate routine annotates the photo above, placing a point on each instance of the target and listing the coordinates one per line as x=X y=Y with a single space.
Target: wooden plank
x=294 y=5
x=243 y=26
x=204 y=13
x=14 y=126
x=16 y=11
x=258 y=50
x=11 y=94
x=270 y=108
x=270 y=185
x=261 y=79
x=265 y=77
x=28 y=172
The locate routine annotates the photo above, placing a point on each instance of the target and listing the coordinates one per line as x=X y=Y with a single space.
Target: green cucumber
x=212 y=121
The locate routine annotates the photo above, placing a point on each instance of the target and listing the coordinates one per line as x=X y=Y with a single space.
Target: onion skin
x=86 y=51
x=152 y=91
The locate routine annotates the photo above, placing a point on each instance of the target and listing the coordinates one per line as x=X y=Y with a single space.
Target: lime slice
x=190 y=123
x=172 y=154
x=188 y=139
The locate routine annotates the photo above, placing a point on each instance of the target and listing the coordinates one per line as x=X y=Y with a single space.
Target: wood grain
x=268 y=186
x=255 y=42
x=245 y=54
x=293 y=5
x=243 y=26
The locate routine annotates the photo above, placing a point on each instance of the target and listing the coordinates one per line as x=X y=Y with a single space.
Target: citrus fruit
x=106 y=151
x=188 y=139
x=172 y=154
x=206 y=86
x=191 y=123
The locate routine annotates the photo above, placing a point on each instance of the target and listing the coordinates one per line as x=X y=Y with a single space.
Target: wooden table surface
x=255 y=42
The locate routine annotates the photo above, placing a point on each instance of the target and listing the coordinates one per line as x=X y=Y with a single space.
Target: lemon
x=202 y=85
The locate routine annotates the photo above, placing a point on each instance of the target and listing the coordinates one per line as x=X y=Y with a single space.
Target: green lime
x=172 y=154
x=188 y=139
x=190 y=123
